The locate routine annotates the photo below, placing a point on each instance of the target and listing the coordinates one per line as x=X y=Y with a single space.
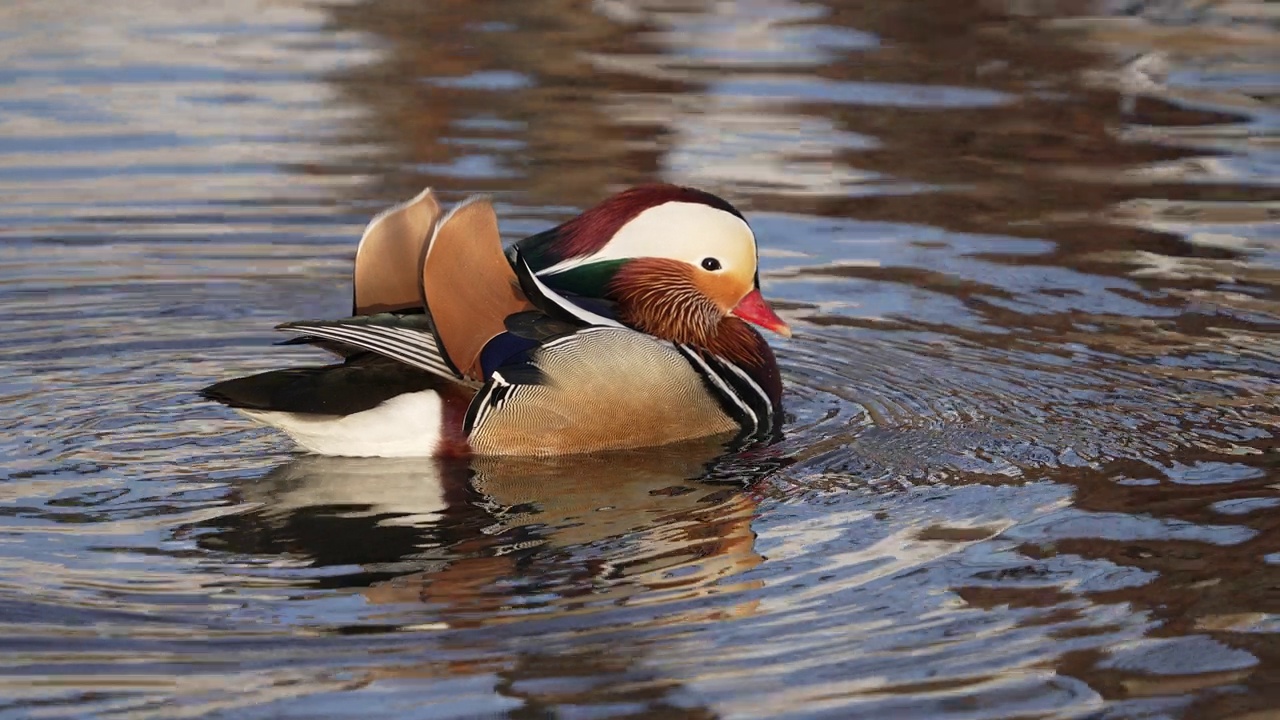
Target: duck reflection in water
x=476 y=539
x=541 y=550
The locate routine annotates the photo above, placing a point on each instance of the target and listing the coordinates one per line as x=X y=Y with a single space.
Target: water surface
x=1031 y=252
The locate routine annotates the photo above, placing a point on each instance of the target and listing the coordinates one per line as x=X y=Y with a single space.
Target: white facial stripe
x=564 y=304
x=683 y=231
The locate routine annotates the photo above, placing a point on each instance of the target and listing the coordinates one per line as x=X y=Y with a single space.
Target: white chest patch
x=407 y=425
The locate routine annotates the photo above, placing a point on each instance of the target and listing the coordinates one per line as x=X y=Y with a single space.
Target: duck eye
x=710 y=264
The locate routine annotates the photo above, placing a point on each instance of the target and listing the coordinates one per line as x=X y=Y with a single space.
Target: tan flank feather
x=386 y=275
x=588 y=406
x=468 y=285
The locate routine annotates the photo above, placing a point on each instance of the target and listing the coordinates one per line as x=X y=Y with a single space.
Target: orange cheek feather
x=660 y=297
x=723 y=289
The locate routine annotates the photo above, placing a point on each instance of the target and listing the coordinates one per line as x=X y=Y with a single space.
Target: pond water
x=1031 y=251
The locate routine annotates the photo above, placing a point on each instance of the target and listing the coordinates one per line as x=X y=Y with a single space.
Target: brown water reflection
x=510 y=541
x=1030 y=469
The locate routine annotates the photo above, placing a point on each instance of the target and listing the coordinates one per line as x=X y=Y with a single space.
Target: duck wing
x=385 y=276
x=468 y=286
x=409 y=339
x=331 y=390
x=465 y=290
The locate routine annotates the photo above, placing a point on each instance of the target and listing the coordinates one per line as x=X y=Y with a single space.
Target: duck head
x=675 y=262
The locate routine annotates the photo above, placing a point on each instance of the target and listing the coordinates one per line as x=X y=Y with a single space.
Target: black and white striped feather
x=739 y=395
x=409 y=339
x=747 y=390
x=553 y=303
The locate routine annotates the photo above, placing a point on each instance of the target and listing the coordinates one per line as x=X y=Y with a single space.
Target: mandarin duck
x=624 y=327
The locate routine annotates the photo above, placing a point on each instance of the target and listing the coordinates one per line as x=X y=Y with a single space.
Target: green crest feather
x=590 y=280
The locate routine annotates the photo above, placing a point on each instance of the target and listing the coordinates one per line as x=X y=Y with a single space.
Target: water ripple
x=1029 y=251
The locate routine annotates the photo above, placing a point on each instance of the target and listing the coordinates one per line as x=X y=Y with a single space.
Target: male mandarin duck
x=624 y=327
